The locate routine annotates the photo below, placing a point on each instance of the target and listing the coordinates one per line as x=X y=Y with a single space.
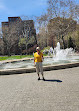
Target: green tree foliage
x=77 y=41
x=60 y=27
x=25 y=43
x=70 y=43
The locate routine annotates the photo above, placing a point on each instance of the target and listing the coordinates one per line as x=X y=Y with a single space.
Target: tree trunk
x=64 y=46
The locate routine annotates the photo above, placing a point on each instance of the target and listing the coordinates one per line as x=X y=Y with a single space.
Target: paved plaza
x=23 y=92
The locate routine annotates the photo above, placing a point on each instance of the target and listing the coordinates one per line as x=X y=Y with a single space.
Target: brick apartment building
x=22 y=29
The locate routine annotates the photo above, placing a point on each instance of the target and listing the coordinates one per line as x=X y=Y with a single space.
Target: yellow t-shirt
x=38 y=57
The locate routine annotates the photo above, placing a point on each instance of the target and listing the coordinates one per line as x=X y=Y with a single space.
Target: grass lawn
x=16 y=57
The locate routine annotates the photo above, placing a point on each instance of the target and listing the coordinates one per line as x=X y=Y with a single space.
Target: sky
x=11 y=8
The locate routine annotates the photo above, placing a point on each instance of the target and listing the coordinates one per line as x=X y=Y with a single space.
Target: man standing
x=38 y=59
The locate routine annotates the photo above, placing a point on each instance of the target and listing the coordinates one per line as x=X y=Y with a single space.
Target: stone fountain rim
x=45 y=68
x=18 y=60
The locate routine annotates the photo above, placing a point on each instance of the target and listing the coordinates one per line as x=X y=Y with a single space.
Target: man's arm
x=34 y=60
x=42 y=58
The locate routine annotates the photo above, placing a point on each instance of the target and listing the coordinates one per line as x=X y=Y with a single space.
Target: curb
x=45 y=68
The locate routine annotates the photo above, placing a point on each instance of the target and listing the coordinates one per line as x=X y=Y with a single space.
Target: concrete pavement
x=23 y=92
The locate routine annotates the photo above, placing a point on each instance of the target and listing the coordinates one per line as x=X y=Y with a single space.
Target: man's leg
x=37 y=70
x=41 y=69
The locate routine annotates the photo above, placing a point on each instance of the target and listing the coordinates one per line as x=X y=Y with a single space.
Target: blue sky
x=10 y=8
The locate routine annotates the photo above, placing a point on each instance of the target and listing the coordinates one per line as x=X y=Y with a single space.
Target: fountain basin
x=62 y=58
x=29 y=63
x=45 y=68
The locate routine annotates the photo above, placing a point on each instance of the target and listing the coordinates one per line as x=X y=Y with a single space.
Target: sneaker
x=39 y=78
x=43 y=79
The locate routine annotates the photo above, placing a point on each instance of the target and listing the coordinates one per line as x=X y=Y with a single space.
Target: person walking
x=38 y=59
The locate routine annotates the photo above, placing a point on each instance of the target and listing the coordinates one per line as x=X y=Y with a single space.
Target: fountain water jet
x=61 y=54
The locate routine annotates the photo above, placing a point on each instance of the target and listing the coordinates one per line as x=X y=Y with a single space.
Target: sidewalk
x=23 y=92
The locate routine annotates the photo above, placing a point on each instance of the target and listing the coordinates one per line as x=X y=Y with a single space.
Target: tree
x=1 y=42
x=42 y=36
x=11 y=34
x=70 y=43
x=26 y=34
x=77 y=41
x=63 y=8
x=63 y=14
x=25 y=44
x=15 y=32
x=60 y=19
x=60 y=27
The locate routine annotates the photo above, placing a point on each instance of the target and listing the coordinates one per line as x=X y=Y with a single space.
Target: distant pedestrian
x=38 y=59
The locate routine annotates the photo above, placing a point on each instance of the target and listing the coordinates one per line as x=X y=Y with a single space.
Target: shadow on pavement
x=50 y=80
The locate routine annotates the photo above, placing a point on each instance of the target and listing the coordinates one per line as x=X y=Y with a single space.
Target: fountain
x=62 y=54
x=59 y=57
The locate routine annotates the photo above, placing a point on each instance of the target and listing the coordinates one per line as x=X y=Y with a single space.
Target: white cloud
x=2 y=6
x=39 y=2
x=43 y=2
